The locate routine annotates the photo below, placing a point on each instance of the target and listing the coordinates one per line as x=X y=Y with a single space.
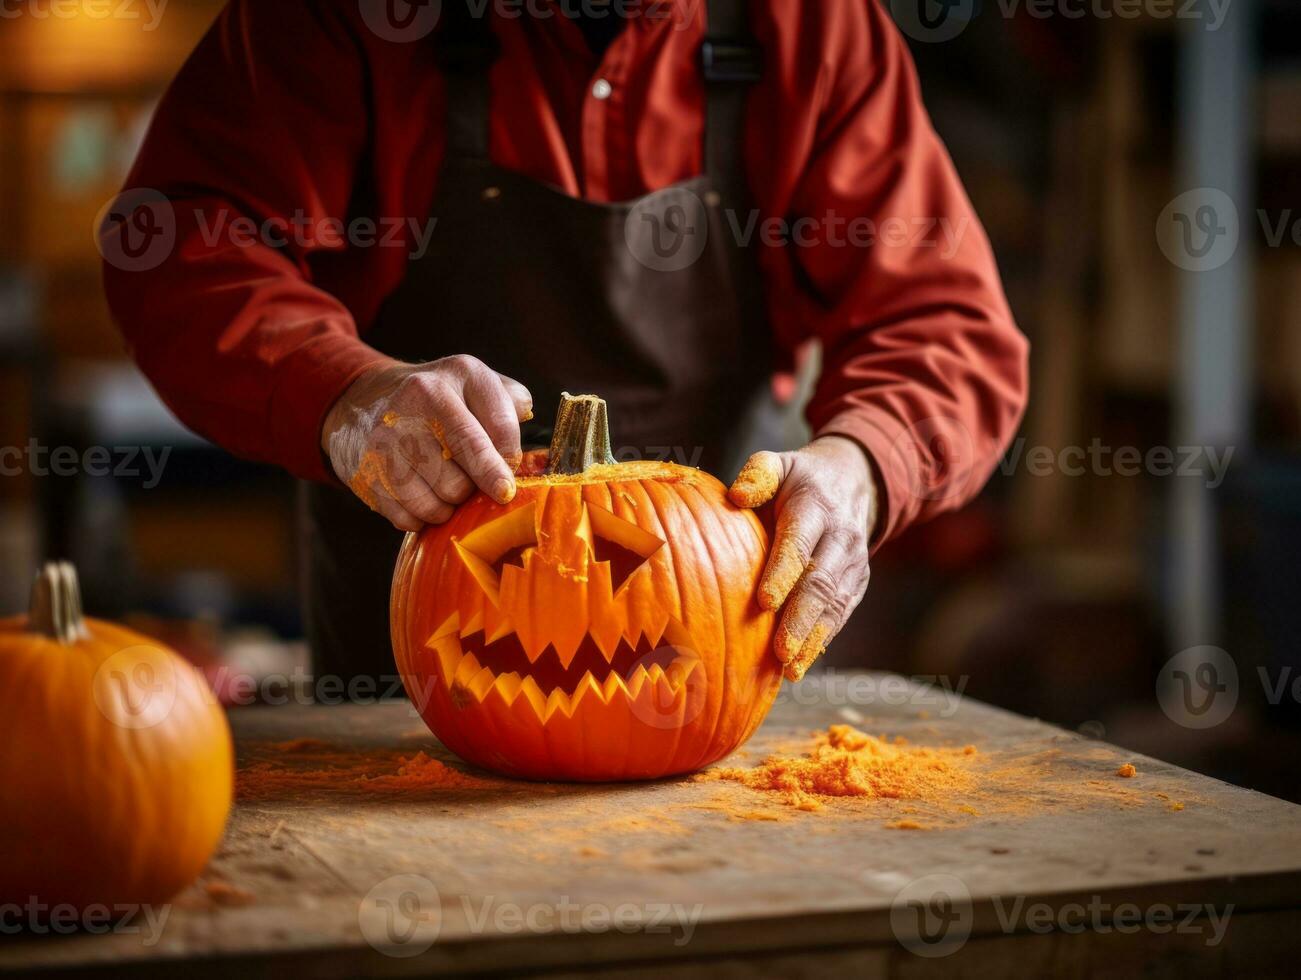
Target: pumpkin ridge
x=678 y=580
x=724 y=625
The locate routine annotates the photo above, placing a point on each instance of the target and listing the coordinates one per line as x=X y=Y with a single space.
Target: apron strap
x=467 y=49
x=731 y=61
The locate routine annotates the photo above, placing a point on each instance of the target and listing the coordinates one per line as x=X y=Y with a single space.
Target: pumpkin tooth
x=653 y=702
x=656 y=632
x=585 y=686
x=481 y=683
x=635 y=681
x=449 y=656
x=450 y=626
x=631 y=633
x=614 y=686
x=567 y=649
x=533 y=642
x=508 y=686
x=557 y=701
x=472 y=625
x=504 y=627
x=537 y=700
x=660 y=689
x=606 y=636
x=466 y=669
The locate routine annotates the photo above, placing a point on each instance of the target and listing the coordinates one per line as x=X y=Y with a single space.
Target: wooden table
x=339 y=878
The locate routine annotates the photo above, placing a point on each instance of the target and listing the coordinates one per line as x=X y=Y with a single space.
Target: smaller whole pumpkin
x=116 y=762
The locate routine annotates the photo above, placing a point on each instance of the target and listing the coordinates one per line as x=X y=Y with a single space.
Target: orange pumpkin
x=116 y=762
x=601 y=626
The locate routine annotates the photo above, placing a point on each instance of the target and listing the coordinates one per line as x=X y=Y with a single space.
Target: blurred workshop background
x=1058 y=594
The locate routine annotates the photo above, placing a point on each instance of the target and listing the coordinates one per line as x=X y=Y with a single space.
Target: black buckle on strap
x=728 y=60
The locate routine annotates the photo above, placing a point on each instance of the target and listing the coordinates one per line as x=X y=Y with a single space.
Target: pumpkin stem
x=56 y=603
x=582 y=436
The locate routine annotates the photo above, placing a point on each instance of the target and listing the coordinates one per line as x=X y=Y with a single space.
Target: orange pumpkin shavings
x=785 y=570
x=755 y=815
x=317 y=767
x=629 y=472
x=846 y=774
x=370 y=470
x=757 y=482
x=820 y=780
x=813 y=647
x=300 y=745
x=231 y=896
x=436 y=428
x=1127 y=771
x=846 y=762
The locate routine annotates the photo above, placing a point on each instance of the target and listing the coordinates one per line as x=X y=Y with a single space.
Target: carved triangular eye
x=623 y=544
x=488 y=549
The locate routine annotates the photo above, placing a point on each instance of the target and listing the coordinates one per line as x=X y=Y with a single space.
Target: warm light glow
x=79 y=45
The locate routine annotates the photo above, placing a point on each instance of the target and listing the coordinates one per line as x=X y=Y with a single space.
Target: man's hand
x=414 y=440
x=826 y=509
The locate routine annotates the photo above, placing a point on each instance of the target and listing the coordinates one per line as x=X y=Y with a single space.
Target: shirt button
x=602 y=89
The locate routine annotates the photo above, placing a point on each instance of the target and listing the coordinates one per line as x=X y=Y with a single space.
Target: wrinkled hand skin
x=826 y=505
x=414 y=440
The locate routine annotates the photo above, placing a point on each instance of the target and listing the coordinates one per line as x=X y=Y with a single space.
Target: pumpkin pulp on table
x=603 y=625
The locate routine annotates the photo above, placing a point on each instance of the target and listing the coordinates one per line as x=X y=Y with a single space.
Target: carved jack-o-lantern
x=602 y=625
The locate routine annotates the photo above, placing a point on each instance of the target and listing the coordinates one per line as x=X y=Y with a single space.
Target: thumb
x=759 y=480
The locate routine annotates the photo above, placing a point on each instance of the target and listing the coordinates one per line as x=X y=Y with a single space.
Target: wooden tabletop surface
x=336 y=864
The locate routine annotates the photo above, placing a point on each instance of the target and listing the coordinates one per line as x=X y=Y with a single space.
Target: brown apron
x=560 y=294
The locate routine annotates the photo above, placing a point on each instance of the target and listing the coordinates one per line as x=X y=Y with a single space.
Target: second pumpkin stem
x=56 y=603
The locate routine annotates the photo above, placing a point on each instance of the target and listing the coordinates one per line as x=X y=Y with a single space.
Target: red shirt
x=299 y=112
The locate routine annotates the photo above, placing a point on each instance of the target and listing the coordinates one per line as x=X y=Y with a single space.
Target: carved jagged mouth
x=471 y=668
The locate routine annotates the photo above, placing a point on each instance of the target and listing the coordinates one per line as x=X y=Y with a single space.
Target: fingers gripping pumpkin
x=602 y=625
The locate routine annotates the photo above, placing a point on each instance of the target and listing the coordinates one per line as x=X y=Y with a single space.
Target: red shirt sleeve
x=264 y=124
x=923 y=364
